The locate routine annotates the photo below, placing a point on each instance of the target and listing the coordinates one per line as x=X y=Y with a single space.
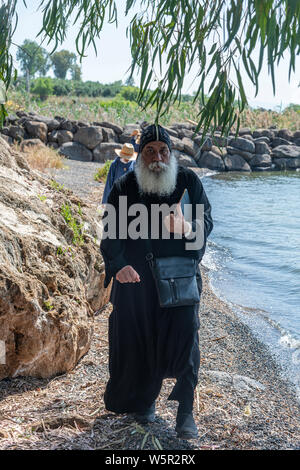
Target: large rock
x=89 y=136
x=37 y=130
x=177 y=144
x=63 y=136
x=51 y=124
x=16 y=133
x=235 y=151
x=212 y=161
x=280 y=141
x=286 y=151
x=49 y=287
x=285 y=134
x=126 y=135
x=109 y=135
x=261 y=160
x=110 y=125
x=185 y=160
x=286 y=163
x=236 y=163
x=262 y=148
x=264 y=132
x=25 y=144
x=106 y=151
x=242 y=144
x=190 y=147
x=245 y=131
x=76 y=151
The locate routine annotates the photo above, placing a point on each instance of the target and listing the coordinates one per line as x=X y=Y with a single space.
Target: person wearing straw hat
x=120 y=166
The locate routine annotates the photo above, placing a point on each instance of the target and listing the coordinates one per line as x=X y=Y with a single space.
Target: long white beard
x=161 y=182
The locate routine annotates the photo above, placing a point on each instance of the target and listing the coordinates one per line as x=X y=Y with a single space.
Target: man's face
x=156 y=156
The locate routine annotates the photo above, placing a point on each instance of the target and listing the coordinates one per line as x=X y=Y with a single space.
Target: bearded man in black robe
x=148 y=343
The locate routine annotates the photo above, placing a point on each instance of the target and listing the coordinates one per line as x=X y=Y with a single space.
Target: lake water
x=254 y=255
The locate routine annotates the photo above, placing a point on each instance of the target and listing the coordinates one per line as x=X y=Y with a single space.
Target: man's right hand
x=127 y=274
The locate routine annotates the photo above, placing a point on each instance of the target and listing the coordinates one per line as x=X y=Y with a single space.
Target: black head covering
x=154 y=133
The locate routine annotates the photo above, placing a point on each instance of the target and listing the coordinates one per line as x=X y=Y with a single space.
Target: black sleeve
x=112 y=248
x=198 y=196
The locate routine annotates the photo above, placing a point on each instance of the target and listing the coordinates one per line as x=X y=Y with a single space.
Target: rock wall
x=49 y=287
x=260 y=150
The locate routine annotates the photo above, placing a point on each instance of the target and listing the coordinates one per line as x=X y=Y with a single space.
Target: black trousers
x=147 y=344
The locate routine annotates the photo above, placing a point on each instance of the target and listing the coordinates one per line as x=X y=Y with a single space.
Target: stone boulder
x=286 y=163
x=49 y=287
x=126 y=135
x=37 y=130
x=211 y=160
x=243 y=131
x=243 y=144
x=76 y=151
x=16 y=133
x=236 y=163
x=264 y=133
x=51 y=124
x=106 y=151
x=185 y=160
x=285 y=134
x=25 y=144
x=63 y=136
x=118 y=129
x=66 y=125
x=190 y=147
x=262 y=139
x=297 y=142
x=109 y=135
x=280 y=141
x=262 y=148
x=286 y=151
x=261 y=160
x=234 y=151
x=177 y=144
x=89 y=136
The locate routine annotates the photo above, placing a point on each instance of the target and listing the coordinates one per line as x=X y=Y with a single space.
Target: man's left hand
x=176 y=223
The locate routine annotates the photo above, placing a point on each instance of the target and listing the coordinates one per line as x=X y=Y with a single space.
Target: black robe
x=148 y=343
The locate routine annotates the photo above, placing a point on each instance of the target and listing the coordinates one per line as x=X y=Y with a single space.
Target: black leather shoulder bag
x=175 y=279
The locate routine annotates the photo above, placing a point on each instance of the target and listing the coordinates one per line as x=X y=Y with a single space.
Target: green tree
x=33 y=59
x=43 y=87
x=170 y=38
x=76 y=72
x=62 y=62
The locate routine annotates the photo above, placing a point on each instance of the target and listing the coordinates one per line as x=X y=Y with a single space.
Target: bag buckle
x=149 y=256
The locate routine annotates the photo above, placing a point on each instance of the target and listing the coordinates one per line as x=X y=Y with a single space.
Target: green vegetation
x=42 y=198
x=55 y=185
x=42 y=87
x=102 y=173
x=48 y=305
x=73 y=224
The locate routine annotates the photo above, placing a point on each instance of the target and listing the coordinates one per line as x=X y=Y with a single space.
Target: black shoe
x=185 y=426
x=147 y=416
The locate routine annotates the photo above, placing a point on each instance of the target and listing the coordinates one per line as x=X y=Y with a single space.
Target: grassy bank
x=122 y=111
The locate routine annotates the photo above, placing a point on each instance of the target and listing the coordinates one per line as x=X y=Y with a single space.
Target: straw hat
x=127 y=151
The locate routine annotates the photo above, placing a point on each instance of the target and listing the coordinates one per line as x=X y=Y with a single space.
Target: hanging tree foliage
x=216 y=40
